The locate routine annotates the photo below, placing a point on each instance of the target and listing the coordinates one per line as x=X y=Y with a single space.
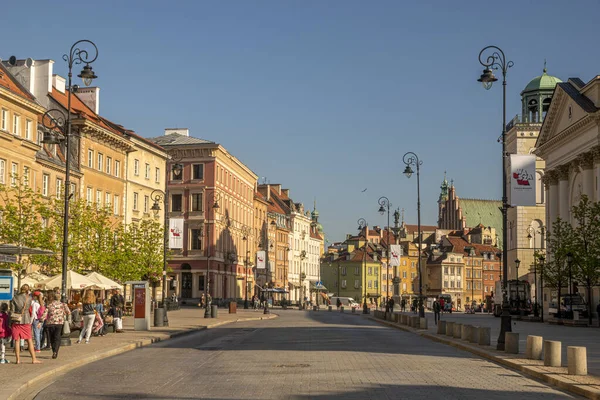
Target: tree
x=586 y=246
x=559 y=243
x=21 y=211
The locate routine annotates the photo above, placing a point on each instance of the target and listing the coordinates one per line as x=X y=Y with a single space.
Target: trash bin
x=159 y=316
x=214 y=311
x=232 y=307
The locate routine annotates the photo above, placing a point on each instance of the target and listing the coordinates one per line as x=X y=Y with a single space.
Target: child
x=5 y=332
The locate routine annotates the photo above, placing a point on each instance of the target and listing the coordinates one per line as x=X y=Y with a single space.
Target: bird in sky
x=364 y=190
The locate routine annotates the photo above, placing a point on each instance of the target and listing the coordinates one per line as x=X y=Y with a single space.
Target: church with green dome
x=536 y=97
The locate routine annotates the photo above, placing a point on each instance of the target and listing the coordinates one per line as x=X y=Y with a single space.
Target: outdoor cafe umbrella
x=75 y=281
x=104 y=282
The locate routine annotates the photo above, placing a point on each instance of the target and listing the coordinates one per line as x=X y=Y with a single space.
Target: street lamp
x=246 y=233
x=517 y=264
x=411 y=159
x=570 y=265
x=384 y=205
x=531 y=230
x=213 y=197
x=542 y=260
x=497 y=60
x=75 y=56
x=363 y=224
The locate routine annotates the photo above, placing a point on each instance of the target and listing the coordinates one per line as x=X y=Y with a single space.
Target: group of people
x=41 y=319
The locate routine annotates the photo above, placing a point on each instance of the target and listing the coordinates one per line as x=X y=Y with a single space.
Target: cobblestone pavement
x=569 y=336
x=301 y=355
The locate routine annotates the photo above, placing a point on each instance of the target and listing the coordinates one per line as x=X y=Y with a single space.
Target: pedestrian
x=38 y=312
x=436 y=311
x=55 y=320
x=414 y=306
x=391 y=304
x=5 y=332
x=89 y=316
x=338 y=303
x=117 y=302
x=100 y=313
x=21 y=323
x=403 y=305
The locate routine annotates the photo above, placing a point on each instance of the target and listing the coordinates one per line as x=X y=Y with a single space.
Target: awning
x=13 y=249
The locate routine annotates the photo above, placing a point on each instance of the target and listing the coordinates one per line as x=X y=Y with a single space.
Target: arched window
x=532 y=110
x=545 y=106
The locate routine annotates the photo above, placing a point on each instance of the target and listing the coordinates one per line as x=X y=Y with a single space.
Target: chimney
x=285 y=192
x=90 y=96
x=59 y=83
x=277 y=188
x=179 y=131
x=35 y=75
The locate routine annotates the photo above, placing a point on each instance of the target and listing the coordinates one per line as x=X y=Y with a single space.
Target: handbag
x=15 y=318
x=109 y=319
x=66 y=330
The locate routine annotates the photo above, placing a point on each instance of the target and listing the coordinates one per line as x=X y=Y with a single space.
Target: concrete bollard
x=449 y=328
x=485 y=336
x=423 y=323
x=330 y=308
x=315 y=308
x=441 y=327
x=511 y=342
x=577 y=360
x=465 y=332
x=404 y=319
x=474 y=337
x=342 y=309
x=397 y=318
x=552 y=353
x=533 y=350
x=457 y=329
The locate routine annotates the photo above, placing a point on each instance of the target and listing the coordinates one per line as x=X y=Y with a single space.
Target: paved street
x=568 y=335
x=301 y=355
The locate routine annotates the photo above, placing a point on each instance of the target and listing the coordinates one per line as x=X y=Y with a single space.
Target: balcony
x=520 y=119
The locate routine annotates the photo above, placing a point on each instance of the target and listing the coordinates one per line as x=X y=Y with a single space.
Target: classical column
x=563 y=192
x=550 y=180
x=586 y=161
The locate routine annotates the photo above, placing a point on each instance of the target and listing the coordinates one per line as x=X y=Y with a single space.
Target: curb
x=558 y=379
x=63 y=369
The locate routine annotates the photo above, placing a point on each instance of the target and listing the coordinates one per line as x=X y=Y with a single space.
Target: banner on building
x=522 y=180
x=395 y=253
x=176 y=233
x=260 y=259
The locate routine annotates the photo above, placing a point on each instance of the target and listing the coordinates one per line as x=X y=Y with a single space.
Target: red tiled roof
x=424 y=228
x=7 y=81
x=459 y=244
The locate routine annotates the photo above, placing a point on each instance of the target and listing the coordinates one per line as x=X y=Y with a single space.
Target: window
x=98 y=198
x=90 y=158
x=116 y=207
x=108 y=165
x=26 y=172
x=136 y=167
x=468 y=273
x=45 y=184
x=135 y=201
x=196 y=201
x=376 y=284
x=356 y=284
x=404 y=274
x=89 y=196
x=157 y=175
x=343 y=284
x=107 y=201
x=413 y=275
x=28 y=126
x=370 y=269
x=147 y=172
x=356 y=270
x=196 y=238
x=446 y=270
x=376 y=270
x=2 y=171
x=446 y=284
x=146 y=203
x=17 y=125
x=4 y=121
x=176 y=203
x=458 y=271
x=117 y=169
x=197 y=171
x=100 y=161
x=176 y=174
x=451 y=284
x=59 y=188
x=452 y=270
x=344 y=271
x=14 y=173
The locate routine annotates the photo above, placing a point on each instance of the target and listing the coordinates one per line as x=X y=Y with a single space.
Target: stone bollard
x=423 y=323
x=404 y=319
x=315 y=308
x=353 y=310
x=449 y=328
x=533 y=350
x=342 y=309
x=465 y=332
x=441 y=327
x=474 y=337
x=457 y=329
x=330 y=308
x=397 y=318
x=577 y=360
x=552 y=353
x=485 y=336
x=511 y=342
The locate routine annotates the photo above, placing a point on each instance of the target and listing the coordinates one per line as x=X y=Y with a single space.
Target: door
x=186 y=285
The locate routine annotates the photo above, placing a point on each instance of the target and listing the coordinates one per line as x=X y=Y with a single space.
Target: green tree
x=586 y=246
x=21 y=224
x=560 y=242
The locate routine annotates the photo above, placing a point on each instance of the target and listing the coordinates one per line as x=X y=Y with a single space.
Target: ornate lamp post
x=411 y=159
x=363 y=224
x=531 y=230
x=384 y=205
x=517 y=264
x=246 y=233
x=497 y=60
x=213 y=198
x=58 y=121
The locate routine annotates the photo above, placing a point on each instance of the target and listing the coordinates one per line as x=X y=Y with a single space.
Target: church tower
x=442 y=199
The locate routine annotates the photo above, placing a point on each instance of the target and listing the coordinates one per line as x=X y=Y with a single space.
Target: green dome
x=542 y=82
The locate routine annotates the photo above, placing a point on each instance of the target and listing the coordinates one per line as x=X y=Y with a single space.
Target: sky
x=323 y=97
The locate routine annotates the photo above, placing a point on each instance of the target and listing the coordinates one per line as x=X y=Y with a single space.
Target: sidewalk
x=587 y=386
x=15 y=380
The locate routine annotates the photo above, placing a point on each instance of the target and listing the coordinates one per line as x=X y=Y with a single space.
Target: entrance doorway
x=186 y=285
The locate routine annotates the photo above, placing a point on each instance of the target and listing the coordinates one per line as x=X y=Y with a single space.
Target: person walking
x=21 y=323
x=5 y=332
x=391 y=305
x=117 y=303
x=403 y=305
x=57 y=313
x=89 y=315
x=38 y=312
x=436 y=311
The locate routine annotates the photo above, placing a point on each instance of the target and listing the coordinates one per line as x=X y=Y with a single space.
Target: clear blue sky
x=322 y=96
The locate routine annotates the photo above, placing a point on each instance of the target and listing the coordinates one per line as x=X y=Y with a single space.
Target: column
x=564 y=193
x=586 y=161
x=551 y=184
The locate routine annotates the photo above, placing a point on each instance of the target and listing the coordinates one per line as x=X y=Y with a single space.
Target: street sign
x=8 y=258
x=6 y=287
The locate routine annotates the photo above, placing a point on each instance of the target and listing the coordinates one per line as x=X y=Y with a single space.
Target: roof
x=484 y=212
x=459 y=244
x=424 y=228
x=581 y=100
x=129 y=132
x=175 y=139
x=542 y=82
x=10 y=83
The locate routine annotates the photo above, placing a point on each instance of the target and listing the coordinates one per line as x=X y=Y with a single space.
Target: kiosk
x=140 y=294
x=6 y=285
